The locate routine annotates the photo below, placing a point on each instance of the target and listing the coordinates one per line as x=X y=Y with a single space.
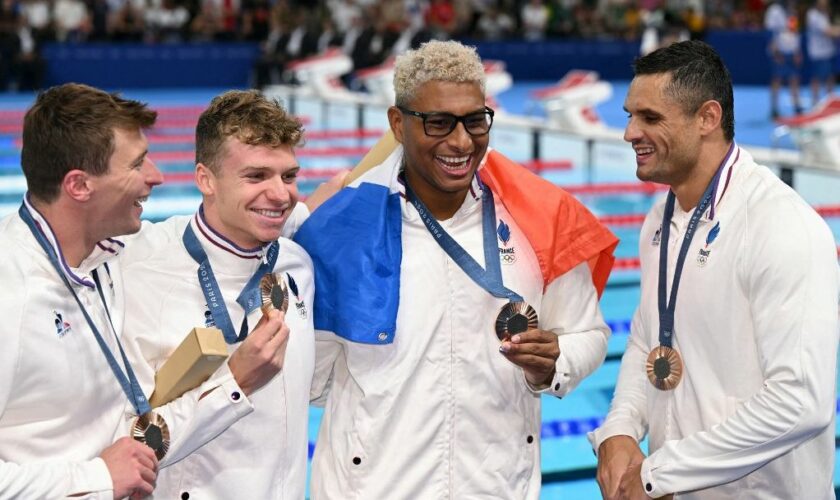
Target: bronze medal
x=664 y=368
x=515 y=317
x=273 y=293
x=151 y=430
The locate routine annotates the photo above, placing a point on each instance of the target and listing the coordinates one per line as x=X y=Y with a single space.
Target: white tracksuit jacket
x=440 y=413
x=256 y=446
x=757 y=329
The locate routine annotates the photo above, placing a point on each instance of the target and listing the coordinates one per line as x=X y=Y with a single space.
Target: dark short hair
x=697 y=75
x=70 y=127
x=248 y=116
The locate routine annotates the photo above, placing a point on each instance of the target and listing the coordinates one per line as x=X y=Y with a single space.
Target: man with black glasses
x=454 y=288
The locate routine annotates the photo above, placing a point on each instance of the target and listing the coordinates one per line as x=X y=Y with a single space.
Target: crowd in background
x=368 y=30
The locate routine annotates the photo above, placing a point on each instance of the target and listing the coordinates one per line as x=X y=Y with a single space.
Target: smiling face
x=252 y=193
x=440 y=169
x=118 y=194
x=665 y=138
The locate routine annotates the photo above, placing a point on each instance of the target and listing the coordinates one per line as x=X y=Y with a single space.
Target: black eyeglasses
x=442 y=124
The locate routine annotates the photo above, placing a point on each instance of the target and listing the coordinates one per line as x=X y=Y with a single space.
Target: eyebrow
x=482 y=110
x=261 y=168
x=139 y=158
x=642 y=111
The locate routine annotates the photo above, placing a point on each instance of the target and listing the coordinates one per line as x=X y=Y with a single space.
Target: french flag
x=355 y=241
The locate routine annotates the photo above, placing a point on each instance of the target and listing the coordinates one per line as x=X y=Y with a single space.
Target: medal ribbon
x=667 y=309
x=249 y=297
x=127 y=379
x=489 y=279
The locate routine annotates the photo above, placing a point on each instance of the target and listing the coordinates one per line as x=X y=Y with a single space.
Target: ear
x=710 y=115
x=205 y=179
x=395 y=119
x=78 y=185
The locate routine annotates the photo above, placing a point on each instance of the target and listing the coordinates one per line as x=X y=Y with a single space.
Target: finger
x=144 y=489
x=534 y=336
x=146 y=461
x=148 y=475
x=600 y=480
x=279 y=339
x=550 y=351
x=148 y=454
x=531 y=362
x=266 y=328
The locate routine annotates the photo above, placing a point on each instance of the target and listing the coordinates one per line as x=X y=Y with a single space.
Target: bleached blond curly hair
x=436 y=60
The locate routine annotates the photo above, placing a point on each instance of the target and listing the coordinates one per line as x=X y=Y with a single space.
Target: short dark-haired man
x=731 y=364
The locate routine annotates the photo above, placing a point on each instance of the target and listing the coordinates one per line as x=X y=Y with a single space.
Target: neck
x=689 y=190
x=441 y=204
x=212 y=219
x=74 y=235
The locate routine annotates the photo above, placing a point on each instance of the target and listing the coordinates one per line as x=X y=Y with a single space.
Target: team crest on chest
x=507 y=255
x=657 y=237
x=705 y=252
x=300 y=305
x=62 y=327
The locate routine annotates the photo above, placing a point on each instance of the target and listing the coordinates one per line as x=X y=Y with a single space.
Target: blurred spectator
x=99 y=21
x=216 y=20
x=72 y=21
x=821 y=35
x=9 y=43
x=441 y=20
x=785 y=53
x=534 y=17
x=345 y=14
x=374 y=43
x=328 y=36
x=28 y=65
x=268 y=69
x=37 y=17
x=126 y=21
x=256 y=19
x=495 y=25
x=166 y=21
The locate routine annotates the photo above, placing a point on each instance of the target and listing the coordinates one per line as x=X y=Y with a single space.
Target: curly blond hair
x=248 y=116
x=447 y=61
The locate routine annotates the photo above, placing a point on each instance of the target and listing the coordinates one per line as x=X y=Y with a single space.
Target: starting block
x=321 y=72
x=570 y=104
x=817 y=132
x=379 y=81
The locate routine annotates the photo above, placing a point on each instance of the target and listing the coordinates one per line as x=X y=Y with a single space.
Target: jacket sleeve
x=570 y=310
x=327 y=350
x=200 y=414
x=788 y=269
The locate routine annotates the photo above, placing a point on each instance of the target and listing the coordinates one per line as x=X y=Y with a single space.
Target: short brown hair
x=247 y=116
x=71 y=126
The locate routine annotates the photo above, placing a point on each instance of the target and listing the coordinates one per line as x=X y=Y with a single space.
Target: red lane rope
x=625 y=264
x=647 y=188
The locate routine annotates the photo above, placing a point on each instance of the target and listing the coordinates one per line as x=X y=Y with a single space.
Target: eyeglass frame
x=458 y=119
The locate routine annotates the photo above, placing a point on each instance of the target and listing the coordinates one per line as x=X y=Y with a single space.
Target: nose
x=459 y=138
x=277 y=190
x=154 y=177
x=631 y=131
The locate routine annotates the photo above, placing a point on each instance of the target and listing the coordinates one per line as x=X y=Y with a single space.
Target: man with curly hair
x=204 y=270
x=454 y=288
